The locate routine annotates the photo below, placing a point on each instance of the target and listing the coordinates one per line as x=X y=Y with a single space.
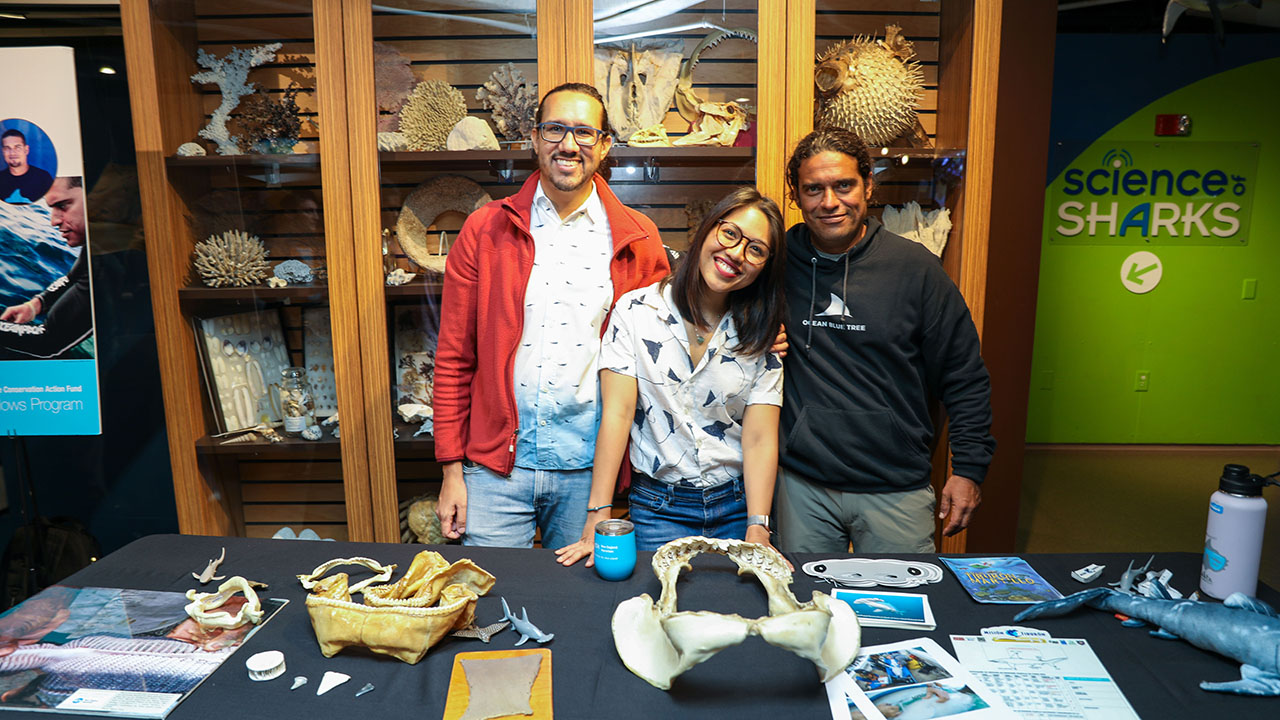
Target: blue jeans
x=663 y=512
x=504 y=511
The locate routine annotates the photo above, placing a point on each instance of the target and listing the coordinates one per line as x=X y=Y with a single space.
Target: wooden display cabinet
x=978 y=75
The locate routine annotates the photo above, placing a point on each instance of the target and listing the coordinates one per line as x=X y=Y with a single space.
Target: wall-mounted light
x=107 y=70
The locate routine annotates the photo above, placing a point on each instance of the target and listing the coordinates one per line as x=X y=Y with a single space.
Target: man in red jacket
x=528 y=287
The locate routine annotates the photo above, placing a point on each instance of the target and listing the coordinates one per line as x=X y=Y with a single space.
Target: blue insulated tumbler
x=615 y=552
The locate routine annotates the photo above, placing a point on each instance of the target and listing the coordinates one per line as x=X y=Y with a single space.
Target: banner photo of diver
x=48 y=358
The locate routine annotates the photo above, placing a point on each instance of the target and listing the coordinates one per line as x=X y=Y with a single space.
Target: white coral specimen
x=868 y=87
x=233 y=258
x=229 y=74
x=431 y=111
x=392 y=142
x=513 y=100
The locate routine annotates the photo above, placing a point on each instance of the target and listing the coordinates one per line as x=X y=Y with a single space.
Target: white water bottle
x=1233 y=537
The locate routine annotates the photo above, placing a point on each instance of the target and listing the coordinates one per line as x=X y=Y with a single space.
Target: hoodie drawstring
x=813 y=288
x=844 y=289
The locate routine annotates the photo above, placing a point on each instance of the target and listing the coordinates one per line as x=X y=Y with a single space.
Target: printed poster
x=48 y=362
x=114 y=652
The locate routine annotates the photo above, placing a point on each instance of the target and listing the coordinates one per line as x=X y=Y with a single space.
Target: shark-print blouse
x=688 y=423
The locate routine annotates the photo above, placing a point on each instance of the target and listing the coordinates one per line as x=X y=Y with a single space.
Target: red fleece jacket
x=482 y=318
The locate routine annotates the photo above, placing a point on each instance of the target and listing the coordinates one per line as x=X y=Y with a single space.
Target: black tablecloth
x=752 y=680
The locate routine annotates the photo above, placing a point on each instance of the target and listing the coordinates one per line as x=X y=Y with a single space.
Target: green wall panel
x=1213 y=357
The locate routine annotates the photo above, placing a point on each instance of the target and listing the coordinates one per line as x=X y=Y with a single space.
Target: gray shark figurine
x=528 y=631
x=1242 y=628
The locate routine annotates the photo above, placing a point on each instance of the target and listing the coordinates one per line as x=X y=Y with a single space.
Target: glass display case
x=232 y=112
x=411 y=114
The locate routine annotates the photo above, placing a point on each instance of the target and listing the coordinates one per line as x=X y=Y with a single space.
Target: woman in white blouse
x=687 y=373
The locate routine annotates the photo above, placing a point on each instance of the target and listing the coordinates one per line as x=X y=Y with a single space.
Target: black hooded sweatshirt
x=874 y=335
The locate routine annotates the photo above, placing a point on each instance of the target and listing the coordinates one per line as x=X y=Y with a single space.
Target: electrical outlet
x=1142 y=382
x=1250 y=289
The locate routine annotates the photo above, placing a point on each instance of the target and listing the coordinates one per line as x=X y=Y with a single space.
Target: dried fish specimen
x=403 y=619
x=393 y=80
x=717 y=126
x=868 y=87
x=425 y=205
x=233 y=258
x=637 y=82
x=190 y=149
x=272 y=126
x=653 y=136
x=229 y=74
x=431 y=111
x=687 y=101
x=513 y=100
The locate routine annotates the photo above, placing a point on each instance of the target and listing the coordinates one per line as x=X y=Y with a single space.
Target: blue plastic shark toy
x=1242 y=628
x=528 y=631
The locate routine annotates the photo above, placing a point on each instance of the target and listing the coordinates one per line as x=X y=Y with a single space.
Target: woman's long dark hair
x=758 y=309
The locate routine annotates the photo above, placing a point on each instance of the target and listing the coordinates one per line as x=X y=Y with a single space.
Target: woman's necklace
x=697 y=334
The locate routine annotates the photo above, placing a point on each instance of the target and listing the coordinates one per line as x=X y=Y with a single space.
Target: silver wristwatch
x=762 y=520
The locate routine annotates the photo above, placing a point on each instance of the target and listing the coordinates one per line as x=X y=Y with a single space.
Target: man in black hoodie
x=878 y=329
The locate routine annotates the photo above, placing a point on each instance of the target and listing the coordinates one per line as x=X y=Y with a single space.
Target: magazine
x=888 y=609
x=908 y=680
x=119 y=653
x=1007 y=580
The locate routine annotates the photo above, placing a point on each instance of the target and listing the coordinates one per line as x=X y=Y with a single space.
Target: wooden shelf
x=326 y=448
x=269 y=170
x=420 y=286
x=198 y=299
x=523 y=159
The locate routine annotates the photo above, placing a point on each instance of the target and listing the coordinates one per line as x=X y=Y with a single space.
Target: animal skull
x=658 y=643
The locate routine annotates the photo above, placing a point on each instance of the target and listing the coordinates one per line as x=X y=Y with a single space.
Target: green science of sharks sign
x=1143 y=193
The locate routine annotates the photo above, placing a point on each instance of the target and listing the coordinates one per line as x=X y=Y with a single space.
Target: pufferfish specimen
x=868 y=86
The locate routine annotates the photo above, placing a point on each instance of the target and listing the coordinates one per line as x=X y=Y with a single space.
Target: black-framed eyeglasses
x=584 y=135
x=730 y=236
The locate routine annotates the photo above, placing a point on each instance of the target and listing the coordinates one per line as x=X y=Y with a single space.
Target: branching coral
x=272 y=126
x=431 y=111
x=233 y=258
x=513 y=100
x=229 y=74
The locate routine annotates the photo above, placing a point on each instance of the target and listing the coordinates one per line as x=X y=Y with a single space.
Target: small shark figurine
x=528 y=631
x=208 y=573
x=1242 y=628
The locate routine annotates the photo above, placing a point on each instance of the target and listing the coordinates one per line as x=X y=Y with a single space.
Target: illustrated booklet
x=911 y=679
x=108 y=651
x=1008 y=580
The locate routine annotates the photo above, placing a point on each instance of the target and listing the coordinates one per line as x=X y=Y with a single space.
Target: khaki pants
x=812 y=518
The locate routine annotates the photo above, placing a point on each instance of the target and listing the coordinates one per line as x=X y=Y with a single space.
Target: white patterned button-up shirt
x=557 y=384
x=688 y=420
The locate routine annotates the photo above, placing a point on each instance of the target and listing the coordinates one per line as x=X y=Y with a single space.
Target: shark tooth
x=330 y=681
x=298 y=682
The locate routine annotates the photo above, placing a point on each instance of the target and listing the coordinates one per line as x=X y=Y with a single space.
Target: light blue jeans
x=663 y=512
x=504 y=511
